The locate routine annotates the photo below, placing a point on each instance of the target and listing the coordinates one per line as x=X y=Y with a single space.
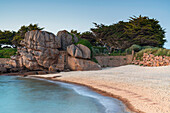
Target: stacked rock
x=152 y=60
x=43 y=51
x=40 y=49
x=79 y=58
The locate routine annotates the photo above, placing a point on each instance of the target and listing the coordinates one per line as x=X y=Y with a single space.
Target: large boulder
x=76 y=64
x=85 y=51
x=79 y=51
x=79 y=58
x=38 y=51
x=66 y=39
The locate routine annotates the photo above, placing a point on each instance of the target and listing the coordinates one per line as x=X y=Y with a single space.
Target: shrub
x=100 y=50
x=160 y=52
x=146 y=47
x=6 y=53
x=135 y=47
x=155 y=51
x=168 y=53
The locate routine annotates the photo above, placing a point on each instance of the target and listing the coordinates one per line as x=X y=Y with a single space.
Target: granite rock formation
x=79 y=58
x=41 y=50
x=79 y=51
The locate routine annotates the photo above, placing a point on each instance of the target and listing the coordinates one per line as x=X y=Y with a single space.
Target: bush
x=134 y=47
x=168 y=53
x=6 y=53
x=100 y=50
x=146 y=47
x=155 y=51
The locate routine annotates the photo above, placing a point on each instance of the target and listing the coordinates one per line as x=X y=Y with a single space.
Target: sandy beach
x=142 y=89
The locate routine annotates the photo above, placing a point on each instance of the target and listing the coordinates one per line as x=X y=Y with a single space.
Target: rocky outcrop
x=79 y=58
x=152 y=60
x=77 y=64
x=79 y=51
x=66 y=39
x=40 y=49
x=43 y=51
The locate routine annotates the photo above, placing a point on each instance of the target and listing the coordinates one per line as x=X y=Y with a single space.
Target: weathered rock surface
x=76 y=64
x=79 y=51
x=85 y=51
x=40 y=49
x=79 y=59
x=53 y=68
x=66 y=39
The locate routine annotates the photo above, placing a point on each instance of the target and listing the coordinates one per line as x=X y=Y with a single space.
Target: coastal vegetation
x=13 y=37
x=121 y=38
x=7 y=52
x=154 y=50
x=140 y=30
x=117 y=39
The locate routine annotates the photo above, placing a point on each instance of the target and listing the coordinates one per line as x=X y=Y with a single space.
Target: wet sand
x=142 y=89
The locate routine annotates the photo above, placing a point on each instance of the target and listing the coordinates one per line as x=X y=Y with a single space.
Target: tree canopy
x=145 y=32
x=14 y=38
x=139 y=30
x=21 y=33
x=6 y=37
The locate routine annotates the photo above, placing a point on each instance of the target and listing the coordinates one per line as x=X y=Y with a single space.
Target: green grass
x=7 y=52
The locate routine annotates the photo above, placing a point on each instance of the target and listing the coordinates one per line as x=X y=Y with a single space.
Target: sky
x=56 y=15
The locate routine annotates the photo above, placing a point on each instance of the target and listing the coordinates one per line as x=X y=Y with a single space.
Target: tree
x=139 y=30
x=85 y=35
x=6 y=37
x=112 y=36
x=145 y=32
x=89 y=36
x=21 y=33
x=75 y=32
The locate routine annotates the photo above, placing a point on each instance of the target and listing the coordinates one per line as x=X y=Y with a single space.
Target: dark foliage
x=21 y=33
x=139 y=30
x=6 y=37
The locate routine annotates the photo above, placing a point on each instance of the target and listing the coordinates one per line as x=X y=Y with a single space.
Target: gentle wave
x=111 y=105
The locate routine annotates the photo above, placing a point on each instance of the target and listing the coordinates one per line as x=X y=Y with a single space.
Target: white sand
x=146 y=88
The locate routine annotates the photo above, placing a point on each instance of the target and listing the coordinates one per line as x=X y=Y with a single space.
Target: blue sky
x=57 y=15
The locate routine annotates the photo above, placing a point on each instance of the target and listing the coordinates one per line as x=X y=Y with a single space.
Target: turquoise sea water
x=27 y=95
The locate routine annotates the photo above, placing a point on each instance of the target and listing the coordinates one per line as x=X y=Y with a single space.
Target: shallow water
x=27 y=95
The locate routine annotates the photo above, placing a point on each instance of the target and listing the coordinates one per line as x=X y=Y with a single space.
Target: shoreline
x=128 y=106
x=141 y=89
